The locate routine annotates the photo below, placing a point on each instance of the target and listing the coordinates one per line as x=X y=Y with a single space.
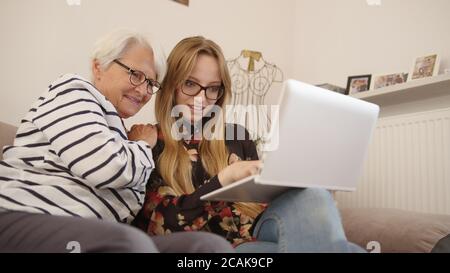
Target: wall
x=42 y=39
x=315 y=41
x=335 y=39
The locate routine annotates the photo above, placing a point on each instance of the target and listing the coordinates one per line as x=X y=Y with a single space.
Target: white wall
x=335 y=39
x=41 y=39
x=315 y=41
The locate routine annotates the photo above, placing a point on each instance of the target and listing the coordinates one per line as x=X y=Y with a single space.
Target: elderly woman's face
x=114 y=81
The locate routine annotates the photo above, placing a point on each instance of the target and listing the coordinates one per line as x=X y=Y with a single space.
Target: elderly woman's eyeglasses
x=138 y=77
x=192 y=88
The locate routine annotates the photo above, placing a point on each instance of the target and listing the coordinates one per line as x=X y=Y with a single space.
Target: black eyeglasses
x=138 y=77
x=192 y=88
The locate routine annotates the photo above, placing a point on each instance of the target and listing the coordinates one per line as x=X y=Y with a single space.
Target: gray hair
x=116 y=43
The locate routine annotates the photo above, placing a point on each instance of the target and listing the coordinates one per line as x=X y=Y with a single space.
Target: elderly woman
x=74 y=164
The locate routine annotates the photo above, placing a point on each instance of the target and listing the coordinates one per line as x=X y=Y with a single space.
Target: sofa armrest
x=396 y=230
x=7 y=134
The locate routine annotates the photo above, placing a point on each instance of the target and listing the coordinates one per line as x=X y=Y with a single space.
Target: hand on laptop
x=239 y=170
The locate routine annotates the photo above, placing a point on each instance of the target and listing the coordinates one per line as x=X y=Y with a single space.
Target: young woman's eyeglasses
x=138 y=77
x=192 y=88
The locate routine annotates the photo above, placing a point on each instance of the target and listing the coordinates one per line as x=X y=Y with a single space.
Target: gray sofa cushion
x=443 y=246
x=396 y=230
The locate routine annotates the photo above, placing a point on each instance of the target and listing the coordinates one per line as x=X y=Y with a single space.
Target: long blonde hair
x=174 y=163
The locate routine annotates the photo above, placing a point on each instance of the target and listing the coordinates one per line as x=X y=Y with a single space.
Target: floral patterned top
x=164 y=212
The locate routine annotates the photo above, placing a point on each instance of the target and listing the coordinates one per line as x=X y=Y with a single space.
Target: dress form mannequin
x=250 y=84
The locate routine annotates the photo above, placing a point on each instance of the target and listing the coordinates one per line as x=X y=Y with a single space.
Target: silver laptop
x=322 y=139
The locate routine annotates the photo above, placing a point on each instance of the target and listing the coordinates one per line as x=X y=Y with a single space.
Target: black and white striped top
x=71 y=156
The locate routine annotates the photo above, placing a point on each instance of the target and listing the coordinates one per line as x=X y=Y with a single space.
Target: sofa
x=391 y=230
x=374 y=229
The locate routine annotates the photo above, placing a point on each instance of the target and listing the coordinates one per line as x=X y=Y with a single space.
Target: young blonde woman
x=197 y=152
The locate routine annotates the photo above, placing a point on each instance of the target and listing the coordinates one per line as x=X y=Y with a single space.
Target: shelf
x=411 y=91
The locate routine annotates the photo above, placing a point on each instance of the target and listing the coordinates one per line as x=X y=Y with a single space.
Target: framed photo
x=356 y=84
x=425 y=66
x=332 y=87
x=380 y=81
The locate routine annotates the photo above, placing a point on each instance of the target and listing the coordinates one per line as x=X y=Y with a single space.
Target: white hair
x=116 y=43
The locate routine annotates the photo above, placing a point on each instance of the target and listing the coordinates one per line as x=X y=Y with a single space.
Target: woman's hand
x=239 y=170
x=145 y=132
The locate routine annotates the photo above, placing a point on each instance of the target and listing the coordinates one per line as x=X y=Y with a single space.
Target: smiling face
x=114 y=81
x=206 y=73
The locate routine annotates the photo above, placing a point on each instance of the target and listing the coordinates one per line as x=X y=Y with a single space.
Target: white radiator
x=407 y=166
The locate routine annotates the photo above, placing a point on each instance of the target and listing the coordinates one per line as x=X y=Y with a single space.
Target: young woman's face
x=114 y=81
x=206 y=73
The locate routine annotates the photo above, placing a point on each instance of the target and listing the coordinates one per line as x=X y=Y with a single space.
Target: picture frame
x=384 y=80
x=332 y=87
x=357 y=84
x=424 y=67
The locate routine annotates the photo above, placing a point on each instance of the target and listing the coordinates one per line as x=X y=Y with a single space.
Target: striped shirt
x=71 y=157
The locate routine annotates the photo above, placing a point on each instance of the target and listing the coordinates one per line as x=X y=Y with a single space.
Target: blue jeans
x=300 y=220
